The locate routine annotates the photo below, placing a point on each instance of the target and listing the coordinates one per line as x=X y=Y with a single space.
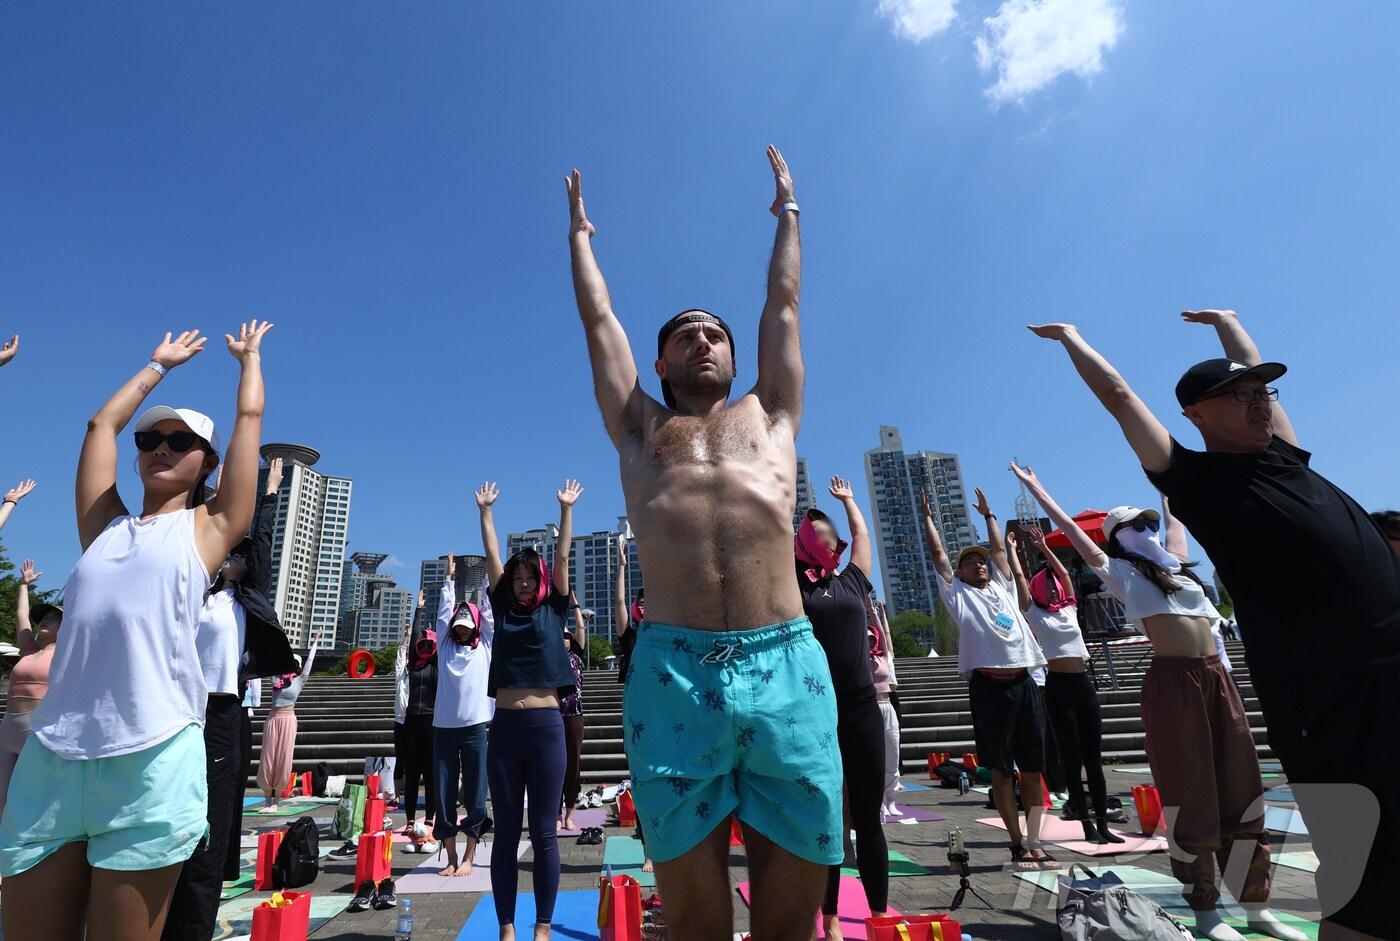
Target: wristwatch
x=789 y=205
x=157 y=368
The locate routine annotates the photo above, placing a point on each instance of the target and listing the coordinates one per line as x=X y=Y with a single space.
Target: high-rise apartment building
x=894 y=478
x=592 y=569
x=374 y=610
x=806 y=496
x=308 y=544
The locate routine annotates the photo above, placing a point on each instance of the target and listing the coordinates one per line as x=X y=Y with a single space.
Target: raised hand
x=841 y=489
x=274 y=476
x=1037 y=537
x=422 y=598
x=20 y=491
x=782 y=178
x=9 y=349
x=27 y=573
x=622 y=549
x=1025 y=475
x=570 y=494
x=1212 y=317
x=982 y=508
x=1053 y=331
x=486 y=495
x=924 y=503
x=249 y=340
x=171 y=353
x=578 y=219
x=1011 y=541
x=451 y=565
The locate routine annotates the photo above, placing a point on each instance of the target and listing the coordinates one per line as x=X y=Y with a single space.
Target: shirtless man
x=723 y=715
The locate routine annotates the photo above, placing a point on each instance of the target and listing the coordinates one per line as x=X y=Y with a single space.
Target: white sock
x=1213 y=926
x=1266 y=922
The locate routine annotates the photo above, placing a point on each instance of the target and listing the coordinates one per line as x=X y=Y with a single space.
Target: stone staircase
x=341 y=721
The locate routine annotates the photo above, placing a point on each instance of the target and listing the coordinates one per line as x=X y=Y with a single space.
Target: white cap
x=1122 y=515
x=198 y=422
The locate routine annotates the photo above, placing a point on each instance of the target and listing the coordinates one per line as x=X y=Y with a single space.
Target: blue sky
x=385 y=183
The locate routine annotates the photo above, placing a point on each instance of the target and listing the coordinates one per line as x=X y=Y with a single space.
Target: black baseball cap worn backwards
x=1215 y=375
x=680 y=320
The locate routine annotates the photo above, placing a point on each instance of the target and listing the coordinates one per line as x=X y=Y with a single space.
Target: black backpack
x=319 y=776
x=298 y=858
x=948 y=774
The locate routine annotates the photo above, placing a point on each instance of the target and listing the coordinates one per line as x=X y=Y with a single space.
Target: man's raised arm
x=1148 y=438
x=1239 y=346
x=614 y=370
x=780 y=372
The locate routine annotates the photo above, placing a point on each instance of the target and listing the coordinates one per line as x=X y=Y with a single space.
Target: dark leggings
x=573 y=740
x=525 y=753
x=860 y=731
x=417 y=744
x=1073 y=707
x=233 y=862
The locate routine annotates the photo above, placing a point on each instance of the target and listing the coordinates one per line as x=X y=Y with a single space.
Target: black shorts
x=1008 y=723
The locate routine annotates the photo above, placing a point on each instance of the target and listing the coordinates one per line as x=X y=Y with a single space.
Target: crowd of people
x=758 y=667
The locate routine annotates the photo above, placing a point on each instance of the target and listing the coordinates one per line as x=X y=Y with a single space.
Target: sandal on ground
x=1021 y=858
x=1046 y=861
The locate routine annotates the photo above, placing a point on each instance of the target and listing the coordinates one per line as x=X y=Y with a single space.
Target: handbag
x=1102 y=908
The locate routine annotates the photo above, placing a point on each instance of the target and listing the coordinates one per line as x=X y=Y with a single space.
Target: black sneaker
x=386 y=897
x=364 y=898
x=347 y=850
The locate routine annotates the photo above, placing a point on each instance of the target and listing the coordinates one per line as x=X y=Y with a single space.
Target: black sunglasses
x=1142 y=525
x=178 y=441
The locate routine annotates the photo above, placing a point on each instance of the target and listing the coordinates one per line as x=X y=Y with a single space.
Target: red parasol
x=1091 y=521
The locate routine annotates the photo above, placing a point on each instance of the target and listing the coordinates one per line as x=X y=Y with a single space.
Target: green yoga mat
x=625 y=854
x=240 y=886
x=1134 y=877
x=292 y=808
x=1303 y=860
x=900 y=865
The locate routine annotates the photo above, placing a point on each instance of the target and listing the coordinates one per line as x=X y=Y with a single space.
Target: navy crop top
x=528 y=651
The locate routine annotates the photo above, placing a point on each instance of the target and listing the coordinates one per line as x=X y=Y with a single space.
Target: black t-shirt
x=1314 y=581
x=625 y=644
x=527 y=651
x=836 y=607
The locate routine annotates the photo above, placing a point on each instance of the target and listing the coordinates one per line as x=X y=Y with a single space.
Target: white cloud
x=919 y=19
x=393 y=562
x=1030 y=43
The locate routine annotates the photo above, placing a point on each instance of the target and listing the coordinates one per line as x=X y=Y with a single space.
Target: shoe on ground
x=385 y=896
x=364 y=898
x=428 y=848
x=595 y=799
x=346 y=850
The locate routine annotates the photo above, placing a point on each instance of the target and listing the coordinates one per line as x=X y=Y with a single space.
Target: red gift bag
x=291 y=786
x=619 y=909
x=1149 y=808
x=912 y=928
x=626 y=810
x=936 y=758
x=372 y=784
x=374 y=814
x=970 y=761
x=267 y=853
x=289 y=922
x=736 y=834
x=307 y=789
x=374 y=858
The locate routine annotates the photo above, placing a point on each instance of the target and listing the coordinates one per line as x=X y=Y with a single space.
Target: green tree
x=599 y=650
x=908 y=631
x=9 y=593
x=945 y=632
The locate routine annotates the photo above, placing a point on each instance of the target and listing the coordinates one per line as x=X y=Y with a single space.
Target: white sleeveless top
x=219 y=641
x=126 y=675
x=1141 y=598
x=1058 y=632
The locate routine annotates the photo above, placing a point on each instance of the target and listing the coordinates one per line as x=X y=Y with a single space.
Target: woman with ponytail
x=1199 y=743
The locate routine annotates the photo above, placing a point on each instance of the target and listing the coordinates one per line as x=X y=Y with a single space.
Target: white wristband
x=789 y=205
x=157 y=368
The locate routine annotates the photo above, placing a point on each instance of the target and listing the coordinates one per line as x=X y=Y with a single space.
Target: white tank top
x=1058 y=632
x=219 y=641
x=125 y=674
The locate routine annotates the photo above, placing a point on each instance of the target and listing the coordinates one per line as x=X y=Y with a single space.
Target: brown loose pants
x=1207 y=772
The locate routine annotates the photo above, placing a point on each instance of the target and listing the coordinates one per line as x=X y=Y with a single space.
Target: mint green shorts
x=145 y=810
x=734 y=722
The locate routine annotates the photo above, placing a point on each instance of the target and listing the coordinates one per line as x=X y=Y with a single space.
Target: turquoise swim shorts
x=734 y=722
x=145 y=810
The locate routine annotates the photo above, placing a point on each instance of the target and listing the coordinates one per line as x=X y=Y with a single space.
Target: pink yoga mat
x=909 y=813
x=1070 y=835
x=424 y=877
x=850 y=905
x=592 y=817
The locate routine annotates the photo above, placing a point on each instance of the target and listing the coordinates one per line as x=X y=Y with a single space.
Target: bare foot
x=648 y=866
x=569 y=822
x=451 y=870
x=541 y=932
x=464 y=868
x=833 y=928
x=507 y=933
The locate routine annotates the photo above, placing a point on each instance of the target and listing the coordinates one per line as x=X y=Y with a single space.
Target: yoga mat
x=248 y=859
x=913 y=787
x=592 y=817
x=424 y=878
x=1134 y=877
x=236 y=917
x=1281 y=794
x=1304 y=860
x=291 y=808
x=1308 y=928
x=575 y=917
x=850 y=906
x=911 y=814
x=900 y=865
x=626 y=855
x=1267 y=769
x=252 y=801
x=240 y=886
x=1070 y=835
x=1284 y=820
x=1270 y=766
x=1132 y=770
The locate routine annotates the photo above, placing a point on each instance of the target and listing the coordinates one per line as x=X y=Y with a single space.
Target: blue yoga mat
x=575 y=917
x=916 y=787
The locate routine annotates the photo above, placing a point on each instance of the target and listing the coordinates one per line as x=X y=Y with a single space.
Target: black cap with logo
x=1216 y=375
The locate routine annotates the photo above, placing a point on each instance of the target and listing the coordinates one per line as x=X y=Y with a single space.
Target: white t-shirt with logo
x=992 y=632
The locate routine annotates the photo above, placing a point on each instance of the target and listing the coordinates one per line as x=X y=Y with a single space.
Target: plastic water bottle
x=403 y=931
x=964 y=785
